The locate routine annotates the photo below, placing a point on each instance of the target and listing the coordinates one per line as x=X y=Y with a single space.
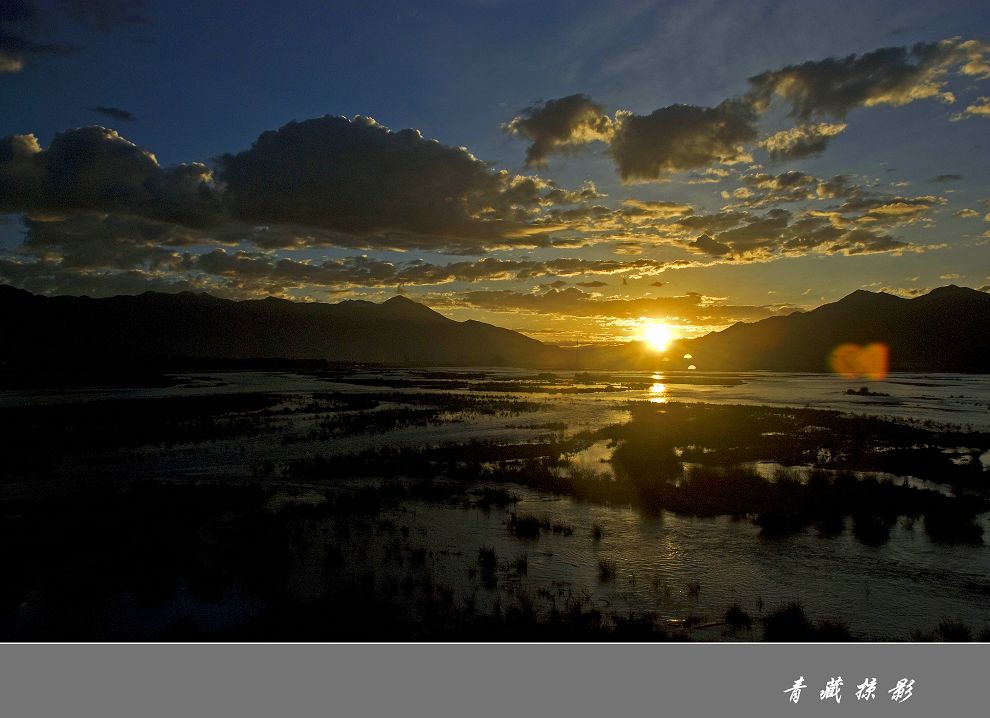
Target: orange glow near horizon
x=852 y=361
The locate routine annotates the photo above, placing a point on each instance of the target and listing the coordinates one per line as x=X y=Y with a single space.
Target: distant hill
x=69 y=330
x=946 y=330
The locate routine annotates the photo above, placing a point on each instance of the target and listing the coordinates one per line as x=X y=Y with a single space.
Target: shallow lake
x=675 y=567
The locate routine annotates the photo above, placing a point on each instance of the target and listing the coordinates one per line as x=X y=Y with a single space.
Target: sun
x=658 y=336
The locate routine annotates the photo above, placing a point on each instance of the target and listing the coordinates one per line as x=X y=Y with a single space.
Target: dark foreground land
x=119 y=522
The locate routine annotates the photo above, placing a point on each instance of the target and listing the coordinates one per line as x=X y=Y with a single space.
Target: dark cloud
x=358 y=177
x=114 y=112
x=945 y=178
x=644 y=147
x=707 y=245
x=247 y=268
x=688 y=137
x=99 y=245
x=49 y=277
x=859 y=203
x=709 y=223
x=889 y=76
x=560 y=125
x=857 y=227
x=89 y=240
x=838 y=186
x=760 y=189
x=887 y=210
x=556 y=195
x=681 y=137
x=756 y=232
x=324 y=182
x=94 y=168
x=596 y=284
x=763 y=189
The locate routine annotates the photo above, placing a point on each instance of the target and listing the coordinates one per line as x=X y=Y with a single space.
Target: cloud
x=967 y=213
x=888 y=76
x=89 y=240
x=945 y=178
x=887 y=210
x=247 y=270
x=94 y=168
x=906 y=292
x=100 y=245
x=801 y=141
x=114 y=112
x=644 y=147
x=657 y=210
x=980 y=108
x=712 y=175
x=856 y=227
x=705 y=244
x=560 y=125
x=859 y=203
x=764 y=189
x=681 y=137
x=49 y=277
x=324 y=182
x=358 y=177
x=689 y=137
x=690 y=309
x=559 y=196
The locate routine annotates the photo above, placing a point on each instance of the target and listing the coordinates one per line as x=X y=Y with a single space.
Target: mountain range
x=944 y=330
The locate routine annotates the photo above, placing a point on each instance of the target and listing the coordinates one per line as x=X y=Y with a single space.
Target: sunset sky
x=567 y=169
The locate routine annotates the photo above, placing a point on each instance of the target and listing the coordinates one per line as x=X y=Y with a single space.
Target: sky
x=571 y=170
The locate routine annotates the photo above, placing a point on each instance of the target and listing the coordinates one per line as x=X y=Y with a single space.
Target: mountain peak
x=951 y=290
x=407 y=308
x=862 y=296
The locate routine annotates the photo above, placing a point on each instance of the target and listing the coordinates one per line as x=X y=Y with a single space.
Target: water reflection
x=658 y=391
x=659 y=558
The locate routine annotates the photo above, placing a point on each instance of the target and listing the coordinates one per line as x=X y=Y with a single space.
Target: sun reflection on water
x=658 y=392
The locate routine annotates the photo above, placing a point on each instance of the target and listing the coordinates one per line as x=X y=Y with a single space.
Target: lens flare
x=852 y=361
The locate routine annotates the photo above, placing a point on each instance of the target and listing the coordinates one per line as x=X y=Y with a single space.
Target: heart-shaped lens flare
x=852 y=361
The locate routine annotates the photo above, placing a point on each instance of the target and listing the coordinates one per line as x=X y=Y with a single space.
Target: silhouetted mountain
x=115 y=329
x=944 y=330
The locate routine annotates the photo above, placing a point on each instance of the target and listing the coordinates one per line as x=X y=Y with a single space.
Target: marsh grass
x=790 y=623
x=737 y=618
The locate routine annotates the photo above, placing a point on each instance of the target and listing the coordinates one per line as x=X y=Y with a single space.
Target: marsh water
x=680 y=569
